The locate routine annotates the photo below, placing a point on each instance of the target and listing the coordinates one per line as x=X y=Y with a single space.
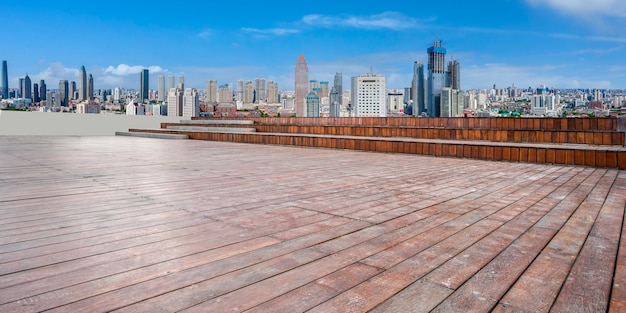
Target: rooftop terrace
x=125 y=224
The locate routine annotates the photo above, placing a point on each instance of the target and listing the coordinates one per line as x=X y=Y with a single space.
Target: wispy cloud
x=386 y=20
x=598 y=51
x=504 y=31
x=267 y=32
x=205 y=33
x=585 y=8
x=124 y=69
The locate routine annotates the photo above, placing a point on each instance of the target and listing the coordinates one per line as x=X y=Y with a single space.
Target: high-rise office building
x=239 y=93
x=451 y=102
x=161 y=90
x=335 y=104
x=369 y=95
x=42 y=90
x=419 y=89
x=181 y=82
x=175 y=102
x=259 y=90
x=5 y=80
x=171 y=82
x=301 y=86
x=21 y=88
x=324 y=91
x=454 y=74
x=82 y=84
x=437 y=78
x=211 y=91
x=272 y=92
x=27 y=88
x=338 y=84
x=191 y=103
x=63 y=93
x=90 y=89
x=73 y=93
x=224 y=94
x=36 y=97
x=312 y=105
x=144 y=83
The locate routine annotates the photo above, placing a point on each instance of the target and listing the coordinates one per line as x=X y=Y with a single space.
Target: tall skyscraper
x=36 y=97
x=301 y=86
x=161 y=90
x=419 y=89
x=90 y=87
x=211 y=91
x=272 y=92
x=191 y=103
x=369 y=95
x=27 y=88
x=171 y=82
x=335 y=104
x=42 y=90
x=324 y=91
x=82 y=84
x=73 y=93
x=454 y=74
x=248 y=93
x=259 y=90
x=181 y=82
x=5 y=80
x=239 y=93
x=312 y=105
x=144 y=85
x=437 y=78
x=63 y=93
x=338 y=84
x=21 y=88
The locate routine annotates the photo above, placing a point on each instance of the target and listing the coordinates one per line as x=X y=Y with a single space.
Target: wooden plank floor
x=122 y=224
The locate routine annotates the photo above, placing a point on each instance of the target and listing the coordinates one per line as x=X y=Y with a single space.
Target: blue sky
x=559 y=43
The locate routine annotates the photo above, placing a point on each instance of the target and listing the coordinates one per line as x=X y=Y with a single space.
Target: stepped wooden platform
x=125 y=224
x=573 y=141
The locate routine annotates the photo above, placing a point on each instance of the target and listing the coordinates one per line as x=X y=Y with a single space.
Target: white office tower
x=211 y=91
x=369 y=93
x=161 y=91
x=191 y=103
x=117 y=94
x=175 y=102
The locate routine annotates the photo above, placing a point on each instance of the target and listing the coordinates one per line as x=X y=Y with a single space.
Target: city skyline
x=562 y=44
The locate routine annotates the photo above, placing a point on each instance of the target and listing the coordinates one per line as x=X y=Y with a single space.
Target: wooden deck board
x=211 y=226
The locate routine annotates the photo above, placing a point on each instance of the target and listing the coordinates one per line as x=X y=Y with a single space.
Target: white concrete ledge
x=212 y=129
x=152 y=135
x=219 y=122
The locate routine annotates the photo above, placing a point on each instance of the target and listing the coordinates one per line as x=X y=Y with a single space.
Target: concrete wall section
x=70 y=124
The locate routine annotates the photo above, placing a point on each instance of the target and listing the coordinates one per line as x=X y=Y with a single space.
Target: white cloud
x=386 y=20
x=124 y=69
x=53 y=73
x=270 y=31
x=585 y=8
x=205 y=33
